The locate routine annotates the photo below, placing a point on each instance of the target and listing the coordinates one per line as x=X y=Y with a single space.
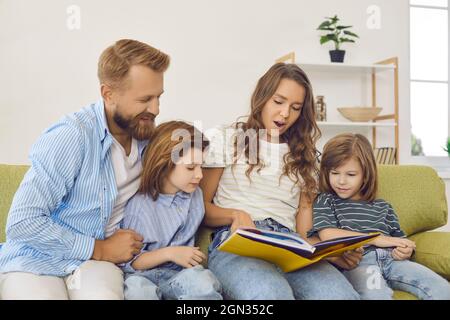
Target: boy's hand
x=402 y=253
x=184 y=256
x=383 y=241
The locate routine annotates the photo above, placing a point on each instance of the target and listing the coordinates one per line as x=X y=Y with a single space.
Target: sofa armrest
x=433 y=251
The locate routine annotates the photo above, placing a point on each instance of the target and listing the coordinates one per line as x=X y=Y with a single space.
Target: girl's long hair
x=301 y=160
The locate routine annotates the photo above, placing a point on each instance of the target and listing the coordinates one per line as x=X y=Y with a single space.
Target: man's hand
x=118 y=248
x=241 y=219
x=184 y=256
x=349 y=259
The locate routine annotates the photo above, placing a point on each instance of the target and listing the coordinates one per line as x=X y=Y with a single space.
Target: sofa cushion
x=10 y=178
x=432 y=251
x=417 y=195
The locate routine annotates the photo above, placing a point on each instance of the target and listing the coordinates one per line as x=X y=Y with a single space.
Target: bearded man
x=63 y=236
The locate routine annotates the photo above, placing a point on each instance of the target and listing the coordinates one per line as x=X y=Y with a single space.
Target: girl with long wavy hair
x=262 y=172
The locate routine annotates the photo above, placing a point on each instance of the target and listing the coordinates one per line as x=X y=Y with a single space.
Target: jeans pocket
x=384 y=253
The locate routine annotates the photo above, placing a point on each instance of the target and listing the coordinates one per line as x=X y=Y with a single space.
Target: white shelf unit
x=390 y=65
x=340 y=67
x=355 y=124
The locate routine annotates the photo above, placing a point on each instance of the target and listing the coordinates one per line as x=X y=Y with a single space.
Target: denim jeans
x=378 y=273
x=194 y=283
x=245 y=278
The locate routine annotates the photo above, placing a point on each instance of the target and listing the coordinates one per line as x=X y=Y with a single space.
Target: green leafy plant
x=337 y=33
x=448 y=147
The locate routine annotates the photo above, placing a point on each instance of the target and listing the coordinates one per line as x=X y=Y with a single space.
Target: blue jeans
x=378 y=273
x=245 y=278
x=194 y=283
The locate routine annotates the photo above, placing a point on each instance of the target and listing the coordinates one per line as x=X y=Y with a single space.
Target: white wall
x=219 y=49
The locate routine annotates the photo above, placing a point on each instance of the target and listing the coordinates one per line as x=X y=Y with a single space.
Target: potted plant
x=338 y=34
x=448 y=147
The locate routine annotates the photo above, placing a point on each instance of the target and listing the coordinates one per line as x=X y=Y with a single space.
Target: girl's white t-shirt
x=266 y=195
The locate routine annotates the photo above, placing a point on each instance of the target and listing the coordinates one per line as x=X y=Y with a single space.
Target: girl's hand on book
x=185 y=256
x=241 y=219
x=401 y=253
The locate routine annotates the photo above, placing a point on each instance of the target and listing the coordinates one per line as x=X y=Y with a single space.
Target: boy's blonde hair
x=116 y=61
x=158 y=163
x=342 y=148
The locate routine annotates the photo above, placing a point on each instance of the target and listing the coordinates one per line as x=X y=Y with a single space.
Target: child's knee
x=203 y=279
x=196 y=282
x=140 y=288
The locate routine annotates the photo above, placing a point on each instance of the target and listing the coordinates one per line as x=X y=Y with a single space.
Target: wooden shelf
x=390 y=64
x=355 y=124
x=339 y=67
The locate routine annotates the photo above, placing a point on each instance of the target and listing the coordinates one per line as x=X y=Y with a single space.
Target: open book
x=288 y=251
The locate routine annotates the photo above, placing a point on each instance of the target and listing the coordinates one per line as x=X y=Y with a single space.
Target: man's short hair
x=116 y=61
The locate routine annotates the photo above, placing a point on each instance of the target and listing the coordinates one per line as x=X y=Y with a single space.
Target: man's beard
x=134 y=127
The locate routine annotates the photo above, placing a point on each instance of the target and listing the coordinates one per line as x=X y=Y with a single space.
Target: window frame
x=439 y=163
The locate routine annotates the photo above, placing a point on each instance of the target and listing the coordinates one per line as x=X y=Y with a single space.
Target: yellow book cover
x=288 y=251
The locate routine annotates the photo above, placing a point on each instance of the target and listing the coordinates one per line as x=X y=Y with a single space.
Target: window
x=430 y=125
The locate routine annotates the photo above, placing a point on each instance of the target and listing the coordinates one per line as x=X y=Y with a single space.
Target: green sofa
x=416 y=193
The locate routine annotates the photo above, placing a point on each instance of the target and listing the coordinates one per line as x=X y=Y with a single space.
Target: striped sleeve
x=130 y=221
x=133 y=220
x=323 y=214
x=393 y=224
x=56 y=159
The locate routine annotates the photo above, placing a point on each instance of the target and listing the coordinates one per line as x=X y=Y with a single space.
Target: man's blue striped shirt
x=65 y=199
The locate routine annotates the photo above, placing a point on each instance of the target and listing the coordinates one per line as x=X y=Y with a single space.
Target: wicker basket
x=360 y=114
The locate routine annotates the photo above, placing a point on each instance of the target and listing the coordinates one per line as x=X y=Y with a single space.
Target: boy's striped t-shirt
x=330 y=211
